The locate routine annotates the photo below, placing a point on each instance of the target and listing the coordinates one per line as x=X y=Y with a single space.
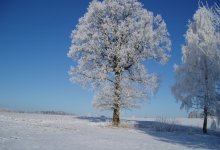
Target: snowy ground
x=21 y=131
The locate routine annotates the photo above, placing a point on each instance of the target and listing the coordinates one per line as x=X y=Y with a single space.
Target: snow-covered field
x=23 y=131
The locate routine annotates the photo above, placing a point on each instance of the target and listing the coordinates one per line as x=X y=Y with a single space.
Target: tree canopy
x=110 y=45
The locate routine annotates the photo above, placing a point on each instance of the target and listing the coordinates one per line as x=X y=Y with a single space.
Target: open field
x=23 y=131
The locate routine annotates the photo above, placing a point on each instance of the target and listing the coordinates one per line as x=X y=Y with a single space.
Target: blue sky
x=34 y=41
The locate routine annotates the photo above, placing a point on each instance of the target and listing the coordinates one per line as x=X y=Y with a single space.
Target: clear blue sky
x=34 y=41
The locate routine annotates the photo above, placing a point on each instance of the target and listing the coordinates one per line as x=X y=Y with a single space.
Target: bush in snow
x=166 y=124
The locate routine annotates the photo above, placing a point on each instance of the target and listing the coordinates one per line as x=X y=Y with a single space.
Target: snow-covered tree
x=197 y=77
x=110 y=45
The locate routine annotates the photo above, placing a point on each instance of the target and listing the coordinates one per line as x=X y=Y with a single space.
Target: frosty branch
x=110 y=44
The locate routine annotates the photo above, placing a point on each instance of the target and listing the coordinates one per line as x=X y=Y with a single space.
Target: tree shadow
x=188 y=136
x=95 y=119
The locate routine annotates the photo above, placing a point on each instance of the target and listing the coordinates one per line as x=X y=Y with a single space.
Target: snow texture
x=22 y=131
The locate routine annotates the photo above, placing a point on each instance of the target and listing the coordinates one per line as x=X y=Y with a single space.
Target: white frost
x=117 y=37
x=197 y=78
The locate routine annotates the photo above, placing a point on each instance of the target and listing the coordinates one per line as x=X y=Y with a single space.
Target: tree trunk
x=117 y=98
x=206 y=99
x=205 y=120
x=116 y=119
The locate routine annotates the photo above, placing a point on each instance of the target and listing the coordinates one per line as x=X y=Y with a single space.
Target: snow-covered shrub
x=127 y=124
x=213 y=125
x=166 y=124
x=195 y=114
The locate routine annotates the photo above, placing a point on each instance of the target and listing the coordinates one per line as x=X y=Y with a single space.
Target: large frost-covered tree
x=110 y=44
x=198 y=77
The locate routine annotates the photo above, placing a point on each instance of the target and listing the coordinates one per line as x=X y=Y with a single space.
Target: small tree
x=197 y=77
x=110 y=44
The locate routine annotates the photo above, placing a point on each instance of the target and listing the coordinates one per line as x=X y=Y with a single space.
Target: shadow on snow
x=187 y=136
